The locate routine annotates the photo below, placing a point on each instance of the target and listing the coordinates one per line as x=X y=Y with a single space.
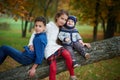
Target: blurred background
x=96 y=20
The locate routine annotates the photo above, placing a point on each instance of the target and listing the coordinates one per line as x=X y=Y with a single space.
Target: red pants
x=66 y=55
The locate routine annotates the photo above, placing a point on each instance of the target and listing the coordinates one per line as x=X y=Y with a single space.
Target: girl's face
x=39 y=27
x=61 y=20
x=70 y=23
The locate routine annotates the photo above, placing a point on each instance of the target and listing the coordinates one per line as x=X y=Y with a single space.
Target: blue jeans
x=20 y=57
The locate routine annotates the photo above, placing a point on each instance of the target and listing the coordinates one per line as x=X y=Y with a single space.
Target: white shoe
x=73 y=78
x=77 y=65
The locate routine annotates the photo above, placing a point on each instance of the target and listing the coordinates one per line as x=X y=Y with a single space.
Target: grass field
x=103 y=70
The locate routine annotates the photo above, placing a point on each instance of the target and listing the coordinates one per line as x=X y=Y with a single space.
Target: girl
x=53 y=50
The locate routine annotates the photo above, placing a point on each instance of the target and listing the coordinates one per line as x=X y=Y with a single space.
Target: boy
x=27 y=56
x=71 y=39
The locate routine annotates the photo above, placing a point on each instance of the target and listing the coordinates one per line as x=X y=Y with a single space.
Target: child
x=72 y=40
x=27 y=56
x=53 y=50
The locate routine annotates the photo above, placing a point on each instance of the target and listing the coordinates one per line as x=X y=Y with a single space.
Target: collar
x=68 y=27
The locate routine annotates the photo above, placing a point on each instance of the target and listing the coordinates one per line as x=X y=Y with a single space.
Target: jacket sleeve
x=39 y=48
x=78 y=36
x=61 y=36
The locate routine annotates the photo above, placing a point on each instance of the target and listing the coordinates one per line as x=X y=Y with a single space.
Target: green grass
x=13 y=35
x=103 y=70
x=13 y=39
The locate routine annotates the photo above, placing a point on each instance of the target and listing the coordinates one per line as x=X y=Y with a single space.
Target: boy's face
x=70 y=23
x=39 y=27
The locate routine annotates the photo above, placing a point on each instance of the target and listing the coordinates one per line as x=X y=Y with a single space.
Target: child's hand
x=31 y=47
x=67 y=39
x=87 y=45
x=81 y=42
x=32 y=72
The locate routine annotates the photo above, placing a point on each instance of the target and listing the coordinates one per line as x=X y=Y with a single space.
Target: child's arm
x=80 y=40
x=87 y=45
x=32 y=70
x=78 y=37
x=39 y=47
x=31 y=47
x=61 y=36
x=31 y=39
x=30 y=44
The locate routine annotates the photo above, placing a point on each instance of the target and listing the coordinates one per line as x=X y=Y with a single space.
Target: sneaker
x=87 y=56
x=76 y=65
x=73 y=78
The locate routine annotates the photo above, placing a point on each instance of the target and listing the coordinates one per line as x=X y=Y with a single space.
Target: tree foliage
x=107 y=11
x=91 y=12
x=27 y=10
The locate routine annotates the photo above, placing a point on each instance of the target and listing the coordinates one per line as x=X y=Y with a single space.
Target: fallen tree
x=100 y=50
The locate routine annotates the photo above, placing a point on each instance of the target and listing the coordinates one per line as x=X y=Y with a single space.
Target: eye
x=65 y=19
x=40 y=26
x=61 y=18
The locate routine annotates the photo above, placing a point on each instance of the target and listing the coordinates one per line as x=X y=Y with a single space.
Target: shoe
x=87 y=56
x=73 y=78
x=76 y=65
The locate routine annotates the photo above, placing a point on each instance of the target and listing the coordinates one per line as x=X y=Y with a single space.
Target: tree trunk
x=100 y=50
x=110 y=28
x=96 y=20
x=111 y=23
x=103 y=25
x=30 y=15
x=118 y=27
x=25 y=29
x=31 y=26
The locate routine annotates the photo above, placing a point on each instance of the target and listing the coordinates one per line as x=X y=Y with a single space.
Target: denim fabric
x=17 y=55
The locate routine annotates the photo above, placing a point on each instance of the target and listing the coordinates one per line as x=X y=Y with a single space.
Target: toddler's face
x=39 y=27
x=70 y=23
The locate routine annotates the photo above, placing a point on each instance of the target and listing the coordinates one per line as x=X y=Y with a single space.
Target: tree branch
x=100 y=50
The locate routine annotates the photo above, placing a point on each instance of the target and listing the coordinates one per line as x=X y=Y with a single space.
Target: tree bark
x=111 y=23
x=100 y=50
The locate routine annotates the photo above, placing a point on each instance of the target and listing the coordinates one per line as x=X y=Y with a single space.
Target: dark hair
x=59 y=13
x=41 y=19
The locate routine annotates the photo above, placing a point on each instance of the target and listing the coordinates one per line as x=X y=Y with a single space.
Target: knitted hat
x=73 y=18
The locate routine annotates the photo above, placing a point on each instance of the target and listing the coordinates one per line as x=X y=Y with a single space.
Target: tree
x=96 y=20
x=94 y=12
x=100 y=50
x=27 y=10
x=112 y=7
x=16 y=8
